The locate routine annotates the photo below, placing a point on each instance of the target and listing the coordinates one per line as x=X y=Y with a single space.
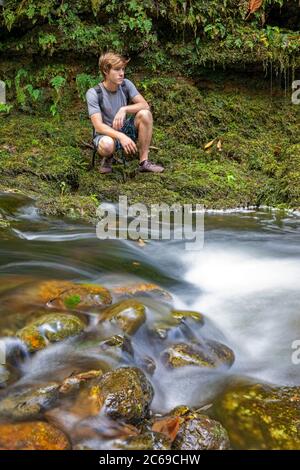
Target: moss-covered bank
x=254 y=160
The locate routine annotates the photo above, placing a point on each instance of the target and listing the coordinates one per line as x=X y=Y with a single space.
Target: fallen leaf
x=219 y=145
x=207 y=146
x=253 y=6
x=168 y=426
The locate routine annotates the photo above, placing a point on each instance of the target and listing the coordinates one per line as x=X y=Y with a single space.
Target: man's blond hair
x=110 y=60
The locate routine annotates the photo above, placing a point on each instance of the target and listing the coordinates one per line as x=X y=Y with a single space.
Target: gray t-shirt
x=112 y=101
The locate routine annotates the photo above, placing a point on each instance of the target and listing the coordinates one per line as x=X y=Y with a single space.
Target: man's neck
x=110 y=86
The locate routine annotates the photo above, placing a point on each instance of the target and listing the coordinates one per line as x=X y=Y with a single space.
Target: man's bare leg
x=106 y=149
x=144 y=123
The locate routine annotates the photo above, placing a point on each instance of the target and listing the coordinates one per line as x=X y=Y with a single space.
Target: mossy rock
x=259 y=416
x=207 y=354
x=36 y=435
x=81 y=297
x=199 y=432
x=182 y=315
x=128 y=315
x=124 y=394
x=176 y=326
x=50 y=328
x=145 y=441
x=23 y=405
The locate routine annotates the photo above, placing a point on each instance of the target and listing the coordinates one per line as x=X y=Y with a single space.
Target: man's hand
x=119 y=119
x=127 y=143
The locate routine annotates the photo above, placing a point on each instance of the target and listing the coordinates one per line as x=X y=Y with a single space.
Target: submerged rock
x=50 y=329
x=36 y=435
x=142 y=290
x=176 y=326
x=4 y=376
x=118 y=347
x=129 y=315
x=145 y=441
x=209 y=353
x=259 y=416
x=124 y=394
x=199 y=432
x=30 y=404
x=188 y=314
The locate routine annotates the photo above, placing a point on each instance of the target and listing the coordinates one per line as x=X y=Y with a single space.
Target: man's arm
x=102 y=128
x=128 y=145
x=139 y=103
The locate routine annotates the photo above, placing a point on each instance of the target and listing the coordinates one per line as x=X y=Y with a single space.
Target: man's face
x=116 y=74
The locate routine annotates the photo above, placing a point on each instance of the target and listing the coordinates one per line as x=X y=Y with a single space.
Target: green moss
x=257 y=163
x=49 y=329
x=72 y=301
x=259 y=416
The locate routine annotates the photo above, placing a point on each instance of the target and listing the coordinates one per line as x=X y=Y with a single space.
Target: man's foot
x=146 y=165
x=106 y=165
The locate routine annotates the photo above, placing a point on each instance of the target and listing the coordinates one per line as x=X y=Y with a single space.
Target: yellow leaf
x=207 y=146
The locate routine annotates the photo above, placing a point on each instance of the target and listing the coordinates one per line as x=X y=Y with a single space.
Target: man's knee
x=144 y=115
x=106 y=146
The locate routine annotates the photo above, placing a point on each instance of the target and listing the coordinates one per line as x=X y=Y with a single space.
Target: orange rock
x=35 y=435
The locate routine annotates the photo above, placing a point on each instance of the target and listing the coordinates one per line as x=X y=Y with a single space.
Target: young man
x=119 y=96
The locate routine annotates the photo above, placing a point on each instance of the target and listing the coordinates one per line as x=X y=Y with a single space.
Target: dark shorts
x=128 y=128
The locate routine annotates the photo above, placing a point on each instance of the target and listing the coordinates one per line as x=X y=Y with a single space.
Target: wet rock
x=145 y=441
x=32 y=436
x=50 y=329
x=124 y=394
x=208 y=353
x=146 y=363
x=30 y=404
x=128 y=315
x=4 y=376
x=118 y=347
x=142 y=290
x=72 y=384
x=199 y=432
x=180 y=410
x=81 y=297
x=161 y=330
x=259 y=416
x=182 y=315
x=177 y=326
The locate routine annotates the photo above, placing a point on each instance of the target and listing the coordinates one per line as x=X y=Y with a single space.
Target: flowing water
x=245 y=281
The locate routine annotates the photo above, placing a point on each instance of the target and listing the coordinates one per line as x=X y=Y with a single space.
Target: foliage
x=203 y=31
